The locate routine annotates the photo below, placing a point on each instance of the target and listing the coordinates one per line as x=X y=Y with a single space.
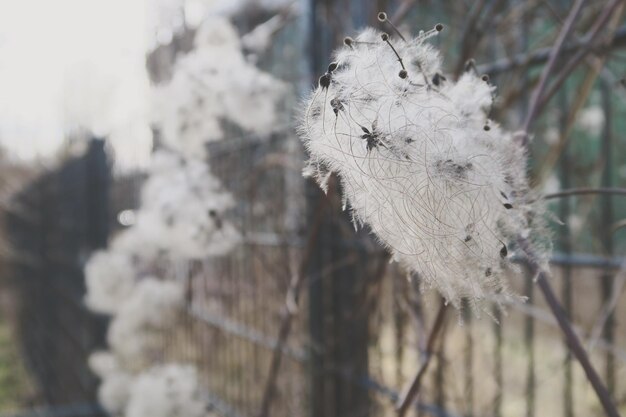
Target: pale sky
x=68 y=63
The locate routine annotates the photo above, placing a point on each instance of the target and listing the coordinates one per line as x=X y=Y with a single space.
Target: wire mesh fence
x=307 y=316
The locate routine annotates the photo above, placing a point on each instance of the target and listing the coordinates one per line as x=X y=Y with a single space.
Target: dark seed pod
x=470 y=65
x=332 y=66
x=403 y=74
x=486 y=128
x=325 y=81
x=438 y=27
x=438 y=79
x=382 y=17
x=504 y=251
x=485 y=78
x=385 y=37
x=348 y=41
x=508 y=206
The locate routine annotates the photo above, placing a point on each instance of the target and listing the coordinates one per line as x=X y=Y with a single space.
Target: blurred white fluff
x=166 y=391
x=136 y=332
x=234 y=7
x=214 y=84
x=181 y=218
x=259 y=39
x=419 y=162
x=110 y=278
x=113 y=393
x=183 y=209
x=591 y=120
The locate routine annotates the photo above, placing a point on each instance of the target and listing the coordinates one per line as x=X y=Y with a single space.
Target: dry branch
x=411 y=393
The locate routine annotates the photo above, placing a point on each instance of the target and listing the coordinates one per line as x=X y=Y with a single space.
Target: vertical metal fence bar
x=566 y=247
x=469 y=361
x=529 y=345
x=529 y=322
x=497 y=370
x=606 y=232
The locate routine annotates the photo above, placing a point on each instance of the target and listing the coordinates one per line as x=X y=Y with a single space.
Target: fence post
x=337 y=275
x=70 y=220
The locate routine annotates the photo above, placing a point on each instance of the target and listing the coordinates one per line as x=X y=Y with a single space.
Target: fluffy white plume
x=166 y=391
x=136 y=333
x=113 y=393
x=103 y=363
x=438 y=183
x=181 y=218
x=214 y=84
x=110 y=278
x=183 y=209
x=591 y=120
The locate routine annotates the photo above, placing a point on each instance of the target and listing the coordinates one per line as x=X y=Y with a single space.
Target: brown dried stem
x=541 y=55
x=585 y=191
x=413 y=390
x=542 y=281
x=587 y=45
x=570 y=335
x=533 y=106
x=289 y=311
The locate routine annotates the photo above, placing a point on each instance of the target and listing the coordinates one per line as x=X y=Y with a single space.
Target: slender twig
x=608 y=308
x=588 y=42
x=542 y=281
x=584 y=191
x=468 y=35
x=411 y=393
x=541 y=55
x=543 y=79
x=289 y=311
x=566 y=327
x=403 y=10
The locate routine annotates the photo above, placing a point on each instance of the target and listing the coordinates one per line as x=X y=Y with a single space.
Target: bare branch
x=411 y=393
x=289 y=311
x=566 y=327
x=585 y=191
x=541 y=55
x=609 y=307
x=554 y=54
x=588 y=42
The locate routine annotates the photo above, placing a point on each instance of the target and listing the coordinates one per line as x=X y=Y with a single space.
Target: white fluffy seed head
x=110 y=279
x=113 y=392
x=166 y=391
x=417 y=165
x=184 y=207
x=215 y=84
x=136 y=332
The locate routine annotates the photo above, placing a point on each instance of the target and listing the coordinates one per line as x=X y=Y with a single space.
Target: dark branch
x=541 y=55
x=411 y=393
x=584 y=191
x=533 y=106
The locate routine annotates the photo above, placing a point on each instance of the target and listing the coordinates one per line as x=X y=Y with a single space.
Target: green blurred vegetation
x=15 y=387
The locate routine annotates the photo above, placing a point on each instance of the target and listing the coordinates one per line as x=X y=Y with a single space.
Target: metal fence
x=310 y=304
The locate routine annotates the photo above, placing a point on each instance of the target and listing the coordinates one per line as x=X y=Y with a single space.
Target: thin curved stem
x=585 y=191
x=554 y=54
x=568 y=331
x=411 y=393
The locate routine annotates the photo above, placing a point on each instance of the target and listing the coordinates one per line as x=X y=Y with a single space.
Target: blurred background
x=298 y=315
